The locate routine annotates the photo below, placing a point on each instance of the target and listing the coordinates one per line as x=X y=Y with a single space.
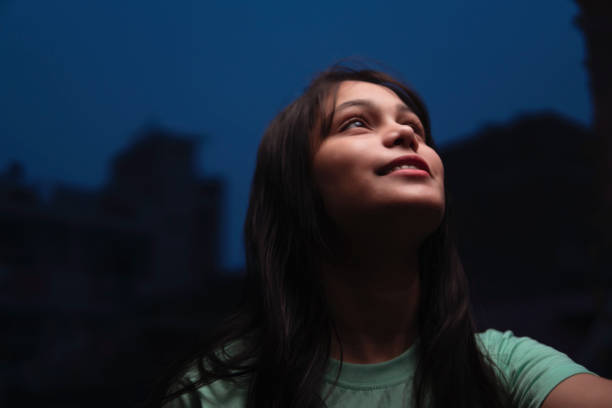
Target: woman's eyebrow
x=400 y=108
x=355 y=102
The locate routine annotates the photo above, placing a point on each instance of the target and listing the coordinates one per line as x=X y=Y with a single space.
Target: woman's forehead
x=365 y=91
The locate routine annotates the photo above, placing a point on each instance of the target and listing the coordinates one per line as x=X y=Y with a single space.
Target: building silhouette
x=595 y=20
x=94 y=283
x=154 y=185
x=523 y=196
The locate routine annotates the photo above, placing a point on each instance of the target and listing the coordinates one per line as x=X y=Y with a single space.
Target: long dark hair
x=277 y=345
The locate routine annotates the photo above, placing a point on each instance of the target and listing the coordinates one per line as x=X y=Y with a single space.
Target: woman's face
x=356 y=167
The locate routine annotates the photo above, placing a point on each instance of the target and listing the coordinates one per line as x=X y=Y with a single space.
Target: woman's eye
x=416 y=127
x=356 y=122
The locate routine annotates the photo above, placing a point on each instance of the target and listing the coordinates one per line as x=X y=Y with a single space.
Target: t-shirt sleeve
x=530 y=369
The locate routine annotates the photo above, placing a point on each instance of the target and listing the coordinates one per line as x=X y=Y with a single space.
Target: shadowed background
x=128 y=133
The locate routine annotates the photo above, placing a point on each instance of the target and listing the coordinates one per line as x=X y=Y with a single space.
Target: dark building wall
x=523 y=195
x=595 y=20
x=154 y=183
x=100 y=290
x=523 y=192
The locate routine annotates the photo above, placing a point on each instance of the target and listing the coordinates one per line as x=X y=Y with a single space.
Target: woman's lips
x=410 y=172
x=410 y=160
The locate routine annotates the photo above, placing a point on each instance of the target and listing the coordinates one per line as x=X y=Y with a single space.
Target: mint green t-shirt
x=531 y=370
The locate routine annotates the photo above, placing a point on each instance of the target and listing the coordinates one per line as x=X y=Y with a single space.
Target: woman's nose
x=401 y=135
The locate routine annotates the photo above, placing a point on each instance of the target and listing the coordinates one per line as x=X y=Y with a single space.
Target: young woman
x=355 y=295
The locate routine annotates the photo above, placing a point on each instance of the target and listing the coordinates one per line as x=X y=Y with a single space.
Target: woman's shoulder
x=520 y=352
x=505 y=346
x=529 y=368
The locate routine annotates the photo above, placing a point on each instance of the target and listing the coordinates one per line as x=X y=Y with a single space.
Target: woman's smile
x=406 y=171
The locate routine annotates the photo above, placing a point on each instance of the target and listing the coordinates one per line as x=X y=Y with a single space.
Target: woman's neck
x=374 y=296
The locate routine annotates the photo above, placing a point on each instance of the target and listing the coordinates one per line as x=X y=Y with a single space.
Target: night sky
x=79 y=78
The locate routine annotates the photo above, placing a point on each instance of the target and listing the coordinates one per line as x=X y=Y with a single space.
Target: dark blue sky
x=78 y=78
